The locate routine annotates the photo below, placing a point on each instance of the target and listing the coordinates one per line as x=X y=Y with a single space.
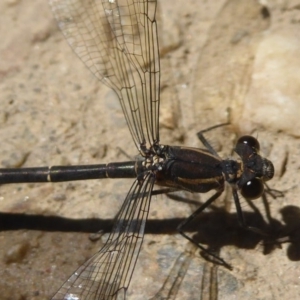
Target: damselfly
x=118 y=42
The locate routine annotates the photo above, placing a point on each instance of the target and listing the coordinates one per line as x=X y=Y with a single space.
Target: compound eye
x=250 y=141
x=253 y=189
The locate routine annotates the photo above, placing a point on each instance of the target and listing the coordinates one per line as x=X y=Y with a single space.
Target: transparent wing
x=107 y=274
x=117 y=41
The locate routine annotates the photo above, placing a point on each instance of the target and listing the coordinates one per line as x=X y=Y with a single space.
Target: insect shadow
x=215 y=228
